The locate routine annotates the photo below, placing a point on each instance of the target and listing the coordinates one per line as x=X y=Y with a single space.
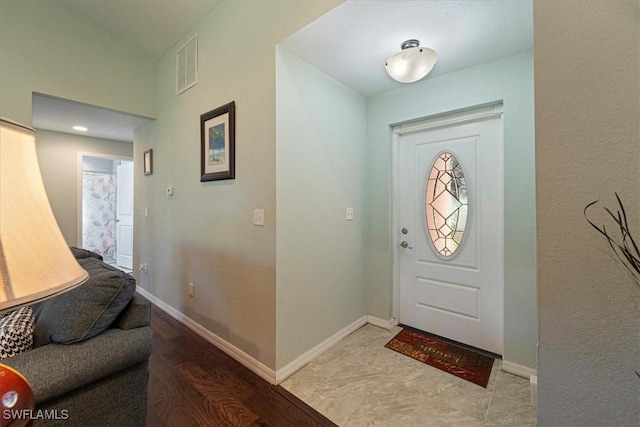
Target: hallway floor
x=359 y=382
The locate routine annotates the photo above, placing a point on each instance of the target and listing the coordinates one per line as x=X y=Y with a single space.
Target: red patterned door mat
x=450 y=358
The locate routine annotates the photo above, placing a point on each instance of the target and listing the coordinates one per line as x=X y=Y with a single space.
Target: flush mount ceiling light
x=412 y=63
x=80 y=128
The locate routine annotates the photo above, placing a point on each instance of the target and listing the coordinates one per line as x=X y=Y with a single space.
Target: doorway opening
x=105 y=214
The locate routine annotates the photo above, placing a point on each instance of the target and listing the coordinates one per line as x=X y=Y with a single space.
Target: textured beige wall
x=58 y=158
x=587 y=85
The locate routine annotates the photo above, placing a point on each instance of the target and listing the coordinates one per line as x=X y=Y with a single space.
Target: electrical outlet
x=191 y=289
x=349 y=214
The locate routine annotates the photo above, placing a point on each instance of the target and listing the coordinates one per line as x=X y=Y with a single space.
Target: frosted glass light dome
x=412 y=63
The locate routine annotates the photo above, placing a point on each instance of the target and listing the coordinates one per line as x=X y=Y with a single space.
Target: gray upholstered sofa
x=89 y=364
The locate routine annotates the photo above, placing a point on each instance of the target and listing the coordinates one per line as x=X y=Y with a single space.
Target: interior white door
x=451 y=232
x=124 y=219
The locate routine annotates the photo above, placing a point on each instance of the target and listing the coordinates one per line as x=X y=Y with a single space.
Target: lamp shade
x=35 y=261
x=412 y=63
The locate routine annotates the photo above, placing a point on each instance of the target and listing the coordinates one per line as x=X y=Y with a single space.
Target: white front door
x=451 y=230
x=124 y=221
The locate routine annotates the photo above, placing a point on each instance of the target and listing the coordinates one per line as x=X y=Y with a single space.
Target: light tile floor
x=359 y=382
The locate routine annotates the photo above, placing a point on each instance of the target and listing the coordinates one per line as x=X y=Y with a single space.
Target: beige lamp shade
x=35 y=261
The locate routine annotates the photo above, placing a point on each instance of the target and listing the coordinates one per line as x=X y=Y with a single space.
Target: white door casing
x=458 y=296
x=124 y=221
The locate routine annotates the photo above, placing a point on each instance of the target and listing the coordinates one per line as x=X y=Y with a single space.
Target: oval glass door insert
x=446 y=204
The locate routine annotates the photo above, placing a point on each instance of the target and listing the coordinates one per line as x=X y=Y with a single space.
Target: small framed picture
x=217 y=143
x=148 y=162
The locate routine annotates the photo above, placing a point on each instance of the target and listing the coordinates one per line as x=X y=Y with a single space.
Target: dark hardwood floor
x=192 y=383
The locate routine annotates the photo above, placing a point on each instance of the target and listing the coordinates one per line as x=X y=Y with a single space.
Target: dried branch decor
x=624 y=246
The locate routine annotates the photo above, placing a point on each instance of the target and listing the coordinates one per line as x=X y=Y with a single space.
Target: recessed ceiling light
x=80 y=128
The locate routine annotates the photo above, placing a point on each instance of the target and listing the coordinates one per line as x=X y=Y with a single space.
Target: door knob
x=405 y=244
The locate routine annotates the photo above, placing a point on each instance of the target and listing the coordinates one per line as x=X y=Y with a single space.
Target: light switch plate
x=258 y=217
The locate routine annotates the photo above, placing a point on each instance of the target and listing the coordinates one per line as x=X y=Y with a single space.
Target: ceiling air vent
x=187 y=65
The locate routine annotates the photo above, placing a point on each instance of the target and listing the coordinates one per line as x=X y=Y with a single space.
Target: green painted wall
x=321 y=157
x=58 y=155
x=203 y=233
x=511 y=81
x=48 y=48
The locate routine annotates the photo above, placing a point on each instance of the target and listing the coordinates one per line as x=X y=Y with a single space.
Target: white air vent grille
x=187 y=65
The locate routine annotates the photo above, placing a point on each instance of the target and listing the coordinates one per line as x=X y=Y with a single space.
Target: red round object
x=16 y=398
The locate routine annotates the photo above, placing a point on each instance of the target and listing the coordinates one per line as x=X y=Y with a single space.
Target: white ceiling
x=350 y=43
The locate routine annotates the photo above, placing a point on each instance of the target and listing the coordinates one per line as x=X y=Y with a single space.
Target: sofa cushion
x=136 y=314
x=79 y=253
x=16 y=332
x=87 y=310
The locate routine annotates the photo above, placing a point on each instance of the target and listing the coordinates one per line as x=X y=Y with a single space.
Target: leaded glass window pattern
x=446 y=204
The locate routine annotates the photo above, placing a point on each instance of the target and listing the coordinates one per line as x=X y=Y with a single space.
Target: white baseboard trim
x=248 y=361
x=293 y=366
x=381 y=323
x=524 y=372
x=534 y=389
x=519 y=370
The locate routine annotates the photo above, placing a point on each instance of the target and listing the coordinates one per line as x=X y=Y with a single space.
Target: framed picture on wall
x=217 y=143
x=148 y=159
